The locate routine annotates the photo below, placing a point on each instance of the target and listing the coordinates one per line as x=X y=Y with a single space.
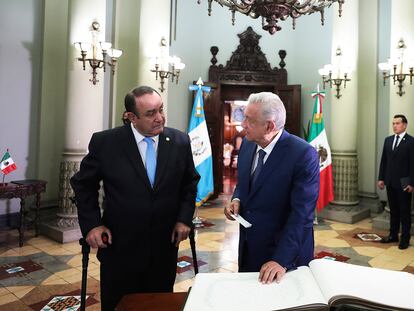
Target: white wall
x=20 y=55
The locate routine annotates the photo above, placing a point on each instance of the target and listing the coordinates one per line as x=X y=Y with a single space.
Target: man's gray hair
x=271 y=107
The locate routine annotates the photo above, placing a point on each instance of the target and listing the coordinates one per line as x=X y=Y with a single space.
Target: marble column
x=367 y=106
x=344 y=122
x=52 y=110
x=402 y=25
x=84 y=112
x=139 y=27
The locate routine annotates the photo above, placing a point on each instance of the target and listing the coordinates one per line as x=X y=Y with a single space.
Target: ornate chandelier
x=272 y=11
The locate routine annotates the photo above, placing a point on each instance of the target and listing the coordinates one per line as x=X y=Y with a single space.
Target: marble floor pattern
x=46 y=275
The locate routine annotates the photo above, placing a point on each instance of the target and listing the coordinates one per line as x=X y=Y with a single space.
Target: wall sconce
x=96 y=52
x=162 y=63
x=399 y=66
x=335 y=73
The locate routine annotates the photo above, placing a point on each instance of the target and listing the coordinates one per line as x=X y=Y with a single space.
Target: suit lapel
x=248 y=150
x=132 y=152
x=272 y=162
x=164 y=148
x=389 y=141
x=401 y=144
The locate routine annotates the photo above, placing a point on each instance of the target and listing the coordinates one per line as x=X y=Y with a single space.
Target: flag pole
x=197 y=221
x=319 y=140
x=4 y=175
x=315 y=219
x=201 y=149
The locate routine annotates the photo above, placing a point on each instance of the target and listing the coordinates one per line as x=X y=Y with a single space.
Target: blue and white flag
x=200 y=144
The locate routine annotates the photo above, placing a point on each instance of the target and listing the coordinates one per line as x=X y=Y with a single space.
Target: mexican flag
x=318 y=139
x=7 y=164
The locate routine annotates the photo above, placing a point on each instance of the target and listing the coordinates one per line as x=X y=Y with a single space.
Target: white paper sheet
x=241 y=221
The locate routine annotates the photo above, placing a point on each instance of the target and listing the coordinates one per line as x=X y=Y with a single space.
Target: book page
x=391 y=288
x=243 y=292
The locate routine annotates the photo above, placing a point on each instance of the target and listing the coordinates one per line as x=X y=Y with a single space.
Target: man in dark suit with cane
x=150 y=185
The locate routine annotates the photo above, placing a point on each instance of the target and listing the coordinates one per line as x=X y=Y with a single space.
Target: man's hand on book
x=271 y=271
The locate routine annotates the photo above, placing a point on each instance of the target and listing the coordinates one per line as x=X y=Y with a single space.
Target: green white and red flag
x=318 y=139
x=7 y=164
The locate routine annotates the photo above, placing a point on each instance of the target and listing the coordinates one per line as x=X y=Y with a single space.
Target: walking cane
x=193 y=249
x=86 y=249
x=85 y=258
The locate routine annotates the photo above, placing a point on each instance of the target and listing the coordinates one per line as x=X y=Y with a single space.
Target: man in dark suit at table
x=150 y=185
x=397 y=174
x=277 y=190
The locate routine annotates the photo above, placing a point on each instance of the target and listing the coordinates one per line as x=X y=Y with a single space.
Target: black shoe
x=389 y=239
x=403 y=245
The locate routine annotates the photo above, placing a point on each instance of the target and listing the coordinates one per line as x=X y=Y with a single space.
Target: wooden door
x=246 y=72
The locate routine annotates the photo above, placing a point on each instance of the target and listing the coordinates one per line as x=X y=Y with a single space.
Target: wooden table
x=153 y=302
x=21 y=189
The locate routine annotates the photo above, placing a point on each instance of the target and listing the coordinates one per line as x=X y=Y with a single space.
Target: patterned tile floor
x=45 y=275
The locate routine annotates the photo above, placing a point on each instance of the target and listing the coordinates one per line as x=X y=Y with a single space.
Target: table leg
x=37 y=220
x=21 y=228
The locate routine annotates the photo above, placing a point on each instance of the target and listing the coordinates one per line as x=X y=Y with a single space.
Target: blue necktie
x=150 y=160
x=259 y=166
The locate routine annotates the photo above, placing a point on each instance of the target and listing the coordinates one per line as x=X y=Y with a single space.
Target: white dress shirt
x=268 y=149
x=399 y=140
x=142 y=145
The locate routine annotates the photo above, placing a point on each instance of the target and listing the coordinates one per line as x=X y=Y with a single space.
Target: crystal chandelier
x=272 y=11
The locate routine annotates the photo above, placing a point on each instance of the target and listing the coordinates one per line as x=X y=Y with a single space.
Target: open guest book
x=325 y=283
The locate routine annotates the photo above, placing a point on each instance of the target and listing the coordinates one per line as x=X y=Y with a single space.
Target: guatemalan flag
x=318 y=139
x=200 y=145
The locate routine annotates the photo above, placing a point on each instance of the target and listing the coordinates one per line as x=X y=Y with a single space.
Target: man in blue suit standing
x=277 y=190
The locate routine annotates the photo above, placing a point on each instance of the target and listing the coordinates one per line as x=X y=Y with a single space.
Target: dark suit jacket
x=398 y=163
x=141 y=219
x=280 y=206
